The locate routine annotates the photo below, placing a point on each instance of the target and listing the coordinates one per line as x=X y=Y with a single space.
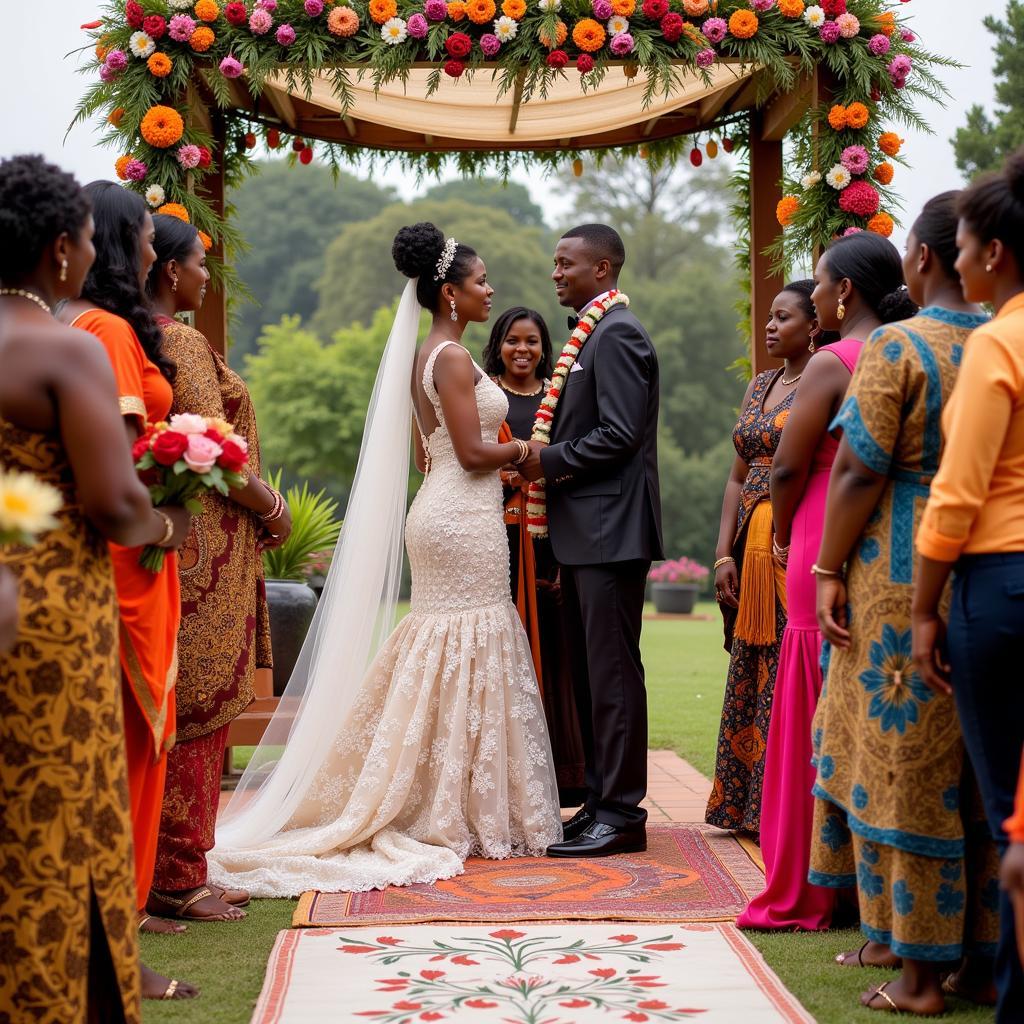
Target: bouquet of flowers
x=182 y=460
x=679 y=570
x=27 y=507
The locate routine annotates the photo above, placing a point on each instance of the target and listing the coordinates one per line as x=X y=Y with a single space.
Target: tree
x=289 y=215
x=984 y=142
x=509 y=196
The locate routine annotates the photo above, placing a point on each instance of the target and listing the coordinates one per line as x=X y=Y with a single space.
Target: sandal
x=841 y=957
x=235 y=897
x=172 y=987
x=170 y=927
x=179 y=907
x=880 y=991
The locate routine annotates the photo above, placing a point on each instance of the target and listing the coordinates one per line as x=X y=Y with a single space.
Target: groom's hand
x=531 y=467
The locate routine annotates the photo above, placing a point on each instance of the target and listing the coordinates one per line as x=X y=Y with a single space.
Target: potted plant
x=290 y=600
x=675 y=585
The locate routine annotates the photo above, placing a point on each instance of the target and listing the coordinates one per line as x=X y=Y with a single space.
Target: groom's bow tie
x=574 y=322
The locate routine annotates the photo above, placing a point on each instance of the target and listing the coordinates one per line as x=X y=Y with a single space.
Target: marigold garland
x=883 y=173
x=785 y=210
x=588 y=35
x=121 y=166
x=160 y=65
x=206 y=240
x=480 y=11
x=382 y=10
x=857 y=115
x=743 y=24
x=175 y=210
x=881 y=224
x=202 y=39
x=791 y=8
x=207 y=10
x=561 y=34
x=515 y=9
x=162 y=126
x=837 y=117
x=624 y=8
x=889 y=143
x=456 y=11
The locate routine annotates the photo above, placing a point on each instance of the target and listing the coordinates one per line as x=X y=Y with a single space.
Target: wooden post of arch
x=212 y=318
x=765 y=192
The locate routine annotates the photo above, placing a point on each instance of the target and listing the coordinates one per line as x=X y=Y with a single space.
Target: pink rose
x=188 y=423
x=201 y=454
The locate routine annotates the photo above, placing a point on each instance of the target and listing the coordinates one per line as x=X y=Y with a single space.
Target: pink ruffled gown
x=788 y=900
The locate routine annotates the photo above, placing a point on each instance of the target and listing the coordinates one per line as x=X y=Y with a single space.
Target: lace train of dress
x=444 y=753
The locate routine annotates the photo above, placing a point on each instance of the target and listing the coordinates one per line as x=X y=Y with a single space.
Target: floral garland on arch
x=536 y=497
x=151 y=56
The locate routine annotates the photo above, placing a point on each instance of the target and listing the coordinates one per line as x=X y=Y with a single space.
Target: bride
x=392 y=758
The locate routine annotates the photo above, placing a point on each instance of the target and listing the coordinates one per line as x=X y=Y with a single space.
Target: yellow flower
x=28 y=507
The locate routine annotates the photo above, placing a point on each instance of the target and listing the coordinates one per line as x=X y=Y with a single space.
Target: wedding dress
x=442 y=751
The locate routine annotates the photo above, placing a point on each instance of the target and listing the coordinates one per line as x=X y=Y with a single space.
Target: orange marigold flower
x=588 y=35
x=480 y=11
x=174 y=210
x=886 y=22
x=207 y=10
x=159 y=65
x=456 y=10
x=791 y=8
x=382 y=10
x=162 y=126
x=514 y=9
x=343 y=22
x=857 y=115
x=624 y=8
x=837 y=117
x=120 y=164
x=693 y=34
x=786 y=209
x=883 y=173
x=202 y=39
x=102 y=48
x=561 y=34
x=114 y=117
x=881 y=224
x=889 y=143
x=743 y=24
x=206 y=240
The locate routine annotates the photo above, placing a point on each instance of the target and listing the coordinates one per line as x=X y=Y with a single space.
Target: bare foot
x=871 y=954
x=156 y=986
x=973 y=982
x=159 y=926
x=200 y=904
x=900 y=997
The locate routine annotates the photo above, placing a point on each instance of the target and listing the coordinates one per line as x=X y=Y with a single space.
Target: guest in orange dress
x=113 y=307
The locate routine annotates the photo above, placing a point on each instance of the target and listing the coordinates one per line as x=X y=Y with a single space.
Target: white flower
x=617 y=25
x=27 y=506
x=393 y=31
x=155 y=196
x=839 y=177
x=505 y=28
x=814 y=16
x=188 y=423
x=550 y=6
x=141 y=44
x=810 y=179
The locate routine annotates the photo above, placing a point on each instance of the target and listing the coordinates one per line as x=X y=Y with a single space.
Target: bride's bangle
x=524 y=451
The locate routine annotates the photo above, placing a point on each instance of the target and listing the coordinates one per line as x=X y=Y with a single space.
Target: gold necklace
x=21 y=293
x=521 y=394
x=782 y=377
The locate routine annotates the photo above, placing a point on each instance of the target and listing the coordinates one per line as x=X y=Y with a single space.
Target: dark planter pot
x=291 y=605
x=674 y=598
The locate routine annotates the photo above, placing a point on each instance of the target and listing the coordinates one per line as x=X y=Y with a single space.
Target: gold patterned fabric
x=65 y=830
x=225 y=630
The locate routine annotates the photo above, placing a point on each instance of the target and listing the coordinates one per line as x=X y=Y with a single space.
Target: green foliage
x=315 y=528
x=984 y=142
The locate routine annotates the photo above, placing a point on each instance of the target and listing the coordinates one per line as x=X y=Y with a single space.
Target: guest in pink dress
x=858 y=287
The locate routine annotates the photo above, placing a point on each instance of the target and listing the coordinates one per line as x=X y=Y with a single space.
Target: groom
x=604 y=520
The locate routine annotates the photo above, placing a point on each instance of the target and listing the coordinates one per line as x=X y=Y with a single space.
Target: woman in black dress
x=519 y=359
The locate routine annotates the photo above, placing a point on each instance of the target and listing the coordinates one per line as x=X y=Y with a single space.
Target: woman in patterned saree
x=225 y=633
x=892 y=803
x=750 y=591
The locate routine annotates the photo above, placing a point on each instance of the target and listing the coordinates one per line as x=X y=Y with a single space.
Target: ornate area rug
x=558 y=974
x=688 y=873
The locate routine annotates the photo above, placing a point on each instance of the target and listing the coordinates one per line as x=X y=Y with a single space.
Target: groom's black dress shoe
x=600 y=840
x=577 y=824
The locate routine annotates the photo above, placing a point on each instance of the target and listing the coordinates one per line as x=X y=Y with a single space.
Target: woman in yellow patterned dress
x=893 y=804
x=67 y=890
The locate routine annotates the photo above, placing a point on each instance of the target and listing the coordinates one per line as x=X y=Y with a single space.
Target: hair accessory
x=840 y=310
x=445 y=260
x=455 y=316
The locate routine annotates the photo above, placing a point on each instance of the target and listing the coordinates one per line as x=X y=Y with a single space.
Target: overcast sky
x=40 y=89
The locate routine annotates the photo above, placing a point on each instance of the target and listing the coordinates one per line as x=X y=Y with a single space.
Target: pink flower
x=136 y=170
x=314 y=8
x=906 y=35
x=621 y=44
x=181 y=28
x=267 y=5
x=855 y=159
x=285 y=34
x=899 y=67
x=848 y=24
x=705 y=58
x=859 y=198
x=187 y=423
x=230 y=67
x=260 y=22
x=489 y=43
x=201 y=454
x=107 y=74
x=435 y=10
x=762 y=5
x=714 y=30
x=602 y=9
x=852 y=231
x=417 y=26
x=829 y=32
x=117 y=60
x=879 y=44
x=189 y=156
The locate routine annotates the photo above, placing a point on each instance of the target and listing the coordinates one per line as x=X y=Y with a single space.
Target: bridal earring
x=840 y=310
x=64 y=270
x=810 y=345
x=174 y=284
x=455 y=316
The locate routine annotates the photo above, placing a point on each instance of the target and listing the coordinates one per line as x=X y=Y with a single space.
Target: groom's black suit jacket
x=601 y=468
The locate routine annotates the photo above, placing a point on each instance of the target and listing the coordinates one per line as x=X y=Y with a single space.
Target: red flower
x=480 y=1004
x=604 y=972
x=458 y=45
x=306 y=156
x=205 y=157
x=636 y=1016
x=232 y=457
x=666 y=945
x=432 y=975
x=652 y=1004
x=464 y=960
x=134 y=14
x=454 y=68
x=355 y=949
x=575 y=1004
x=834 y=8
x=405 y=1004
x=558 y=59
x=388 y=940
x=584 y=63
x=672 y=27
x=154 y=26
x=569 y=958
x=168 y=447
x=655 y=9
x=140 y=447
x=624 y=938
x=235 y=13
x=648 y=984
x=507 y=933
x=431 y=1015
x=859 y=198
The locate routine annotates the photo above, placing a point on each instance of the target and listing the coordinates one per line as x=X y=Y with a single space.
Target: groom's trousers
x=603 y=615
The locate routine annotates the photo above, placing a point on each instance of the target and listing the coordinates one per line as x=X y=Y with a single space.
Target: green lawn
x=685 y=676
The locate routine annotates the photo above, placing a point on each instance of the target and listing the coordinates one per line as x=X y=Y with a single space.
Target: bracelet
x=168 y=528
x=780 y=552
x=816 y=570
x=524 y=451
x=722 y=561
x=275 y=510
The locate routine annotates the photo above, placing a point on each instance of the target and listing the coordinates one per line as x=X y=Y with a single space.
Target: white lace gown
x=445 y=752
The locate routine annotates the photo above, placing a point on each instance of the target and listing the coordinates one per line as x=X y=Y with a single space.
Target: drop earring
x=455 y=316
x=64 y=270
x=840 y=310
x=810 y=345
x=174 y=284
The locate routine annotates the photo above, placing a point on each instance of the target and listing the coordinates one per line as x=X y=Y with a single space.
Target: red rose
x=140 y=447
x=834 y=8
x=215 y=435
x=655 y=9
x=134 y=14
x=454 y=68
x=672 y=27
x=235 y=13
x=233 y=456
x=458 y=45
x=298 y=145
x=558 y=59
x=205 y=157
x=584 y=63
x=154 y=26
x=169 y=446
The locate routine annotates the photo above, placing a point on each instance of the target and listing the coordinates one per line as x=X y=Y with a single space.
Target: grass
x=686 y=669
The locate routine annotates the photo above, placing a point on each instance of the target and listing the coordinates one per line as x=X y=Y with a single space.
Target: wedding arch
x=187 y=88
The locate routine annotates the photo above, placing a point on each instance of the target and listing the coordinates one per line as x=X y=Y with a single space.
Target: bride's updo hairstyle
x=417 y=250
x=873 y=265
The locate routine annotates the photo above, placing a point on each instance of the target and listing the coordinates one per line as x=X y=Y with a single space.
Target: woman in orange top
x=113 y=308
x=974 y=520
